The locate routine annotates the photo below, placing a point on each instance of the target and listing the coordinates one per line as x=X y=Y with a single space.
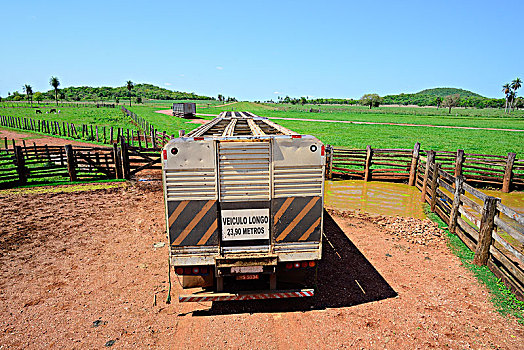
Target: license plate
x=247 y=277
x=247 y=269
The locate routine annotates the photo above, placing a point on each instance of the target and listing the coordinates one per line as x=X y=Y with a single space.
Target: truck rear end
x=244 y=205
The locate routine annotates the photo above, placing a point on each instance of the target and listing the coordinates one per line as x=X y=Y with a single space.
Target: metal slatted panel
x=192 y=184
x=244 y=171
x=292 y=181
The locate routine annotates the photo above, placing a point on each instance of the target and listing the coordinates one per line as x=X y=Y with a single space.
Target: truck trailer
x=244 y=207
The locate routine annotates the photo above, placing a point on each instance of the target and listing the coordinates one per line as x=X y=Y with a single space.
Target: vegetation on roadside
x=504 y=300
x=105 y=93
x=428 y=97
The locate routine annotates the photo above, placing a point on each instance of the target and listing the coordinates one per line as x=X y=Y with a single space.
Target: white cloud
x=182 y=75
x=276 y=92
x=220 y=68
x=167 y=84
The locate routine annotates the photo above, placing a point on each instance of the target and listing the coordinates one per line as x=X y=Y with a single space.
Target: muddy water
x=514 y=200
x=387 y=198
x=383 y=198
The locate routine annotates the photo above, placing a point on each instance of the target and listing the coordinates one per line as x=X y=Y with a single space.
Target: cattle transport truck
x=244 y=205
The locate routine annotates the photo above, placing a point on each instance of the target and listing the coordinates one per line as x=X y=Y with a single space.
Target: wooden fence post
x=508 y=172
x=71 y=163
x=453 y=215
x=429 y=162
x=459 y=160
x=367 y=169
x=414 y=164
x=20 y=165
x=125 y=158
x=116 y=158
x=329 y=160
x=486 y=227
x=153 y=138
x=434 y=186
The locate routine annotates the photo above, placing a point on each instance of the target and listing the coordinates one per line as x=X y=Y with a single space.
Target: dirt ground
x=79 y=270
x=39 y=140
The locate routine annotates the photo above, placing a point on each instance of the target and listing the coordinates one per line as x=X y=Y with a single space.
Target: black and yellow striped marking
x=193 y=223
x=296 y=219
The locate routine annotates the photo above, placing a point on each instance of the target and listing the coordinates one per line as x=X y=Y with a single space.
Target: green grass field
x=337 y=134
x=480 y=118
x=84 y=115
x=378 y=136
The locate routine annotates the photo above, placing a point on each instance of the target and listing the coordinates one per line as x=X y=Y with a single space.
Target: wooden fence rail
x=492 y=230
x=43 y=164
x=503 y=171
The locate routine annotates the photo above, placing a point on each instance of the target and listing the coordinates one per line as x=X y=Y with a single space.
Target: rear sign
x=244 y=224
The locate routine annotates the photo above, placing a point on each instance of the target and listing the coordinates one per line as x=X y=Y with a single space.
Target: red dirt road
x=39 y=140
x=79 y=269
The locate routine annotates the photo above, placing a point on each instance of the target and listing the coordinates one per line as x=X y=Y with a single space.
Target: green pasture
x=471 y=117
x=77 y=115
x=337 y=134
x=358 y=135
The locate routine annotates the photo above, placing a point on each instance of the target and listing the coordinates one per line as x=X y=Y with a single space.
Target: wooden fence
x=504 y=172
x=492 y=230
x=43 y=164
x=101 y=134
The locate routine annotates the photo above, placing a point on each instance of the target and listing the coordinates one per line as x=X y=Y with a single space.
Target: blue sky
x=260 y=50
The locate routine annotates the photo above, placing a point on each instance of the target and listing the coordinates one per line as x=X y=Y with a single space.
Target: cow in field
x=52 y=110
x=38 y=111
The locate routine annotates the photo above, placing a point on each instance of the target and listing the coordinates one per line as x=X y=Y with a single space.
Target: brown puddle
x=384 y=198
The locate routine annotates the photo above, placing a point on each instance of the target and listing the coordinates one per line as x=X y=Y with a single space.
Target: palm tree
x=129 y=86
x=55 y=83
x=29 y=92
x=515 y=85
x=506 y=89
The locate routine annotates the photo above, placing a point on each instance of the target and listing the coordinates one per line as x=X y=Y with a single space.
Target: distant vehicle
x=244 y=204
x=184 y=110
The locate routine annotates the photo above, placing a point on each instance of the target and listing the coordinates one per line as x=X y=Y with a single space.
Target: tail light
x=301 y=264
x=322 y=150
x=164 y=153
x=192 y=270
x=296 y=136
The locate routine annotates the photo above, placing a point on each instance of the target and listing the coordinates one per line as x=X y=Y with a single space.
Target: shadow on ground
x=345 y=278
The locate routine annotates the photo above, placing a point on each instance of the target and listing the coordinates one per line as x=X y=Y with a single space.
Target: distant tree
x=519 y=103
x=515 y=85
x=38 y=96
x=371 y=100
x=61 y=95
x=303 y=101
x=139 y=99
x=117 y=100
x=451 y=101
x=55 y=83
x=220 y=98
x=29 y=92
x=438 y=101
x=506 y=90
x=129 y=86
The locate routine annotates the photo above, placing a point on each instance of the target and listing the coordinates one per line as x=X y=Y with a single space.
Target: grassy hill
x=106 y=93
x=429 y=97
x=443 y=92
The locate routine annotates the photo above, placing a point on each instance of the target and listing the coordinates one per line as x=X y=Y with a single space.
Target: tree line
x=137 y=92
